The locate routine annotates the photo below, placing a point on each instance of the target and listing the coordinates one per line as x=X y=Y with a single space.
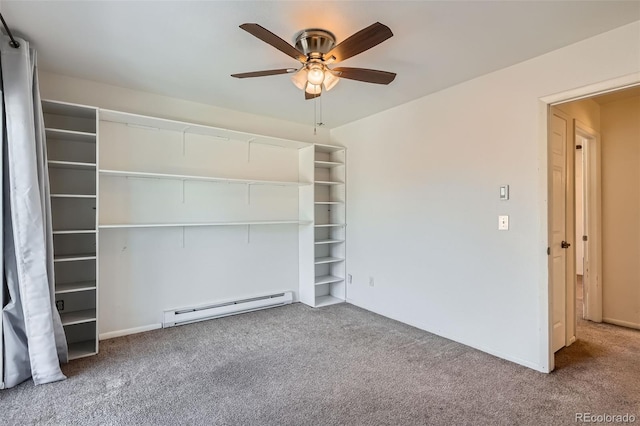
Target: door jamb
x=593 y=217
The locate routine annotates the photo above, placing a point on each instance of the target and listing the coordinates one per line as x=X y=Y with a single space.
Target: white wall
x=422 y=187
x=69 y=89
x=621 y=212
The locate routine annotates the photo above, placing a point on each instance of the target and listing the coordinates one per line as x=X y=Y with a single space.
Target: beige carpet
x=338 y=365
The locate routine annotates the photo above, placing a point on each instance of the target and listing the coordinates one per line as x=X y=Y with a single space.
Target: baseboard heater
x=189 y=315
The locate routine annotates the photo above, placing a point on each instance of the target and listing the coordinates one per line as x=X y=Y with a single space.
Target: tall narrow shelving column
x=71 y=132
x=329 y=225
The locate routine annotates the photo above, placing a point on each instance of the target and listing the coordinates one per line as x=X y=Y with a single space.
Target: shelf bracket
x=248 y=194
x=184 y=184
x=183 y=236
x=249 y=149
x=184 y=141
x=248 y=234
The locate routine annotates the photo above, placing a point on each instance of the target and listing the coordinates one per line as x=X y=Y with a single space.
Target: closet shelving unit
x=322 y=278
x=72 y=142
x=214 y=134
x=149 y=176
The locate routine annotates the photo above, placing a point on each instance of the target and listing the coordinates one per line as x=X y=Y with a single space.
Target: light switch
x=503 y=223
x=504 y=192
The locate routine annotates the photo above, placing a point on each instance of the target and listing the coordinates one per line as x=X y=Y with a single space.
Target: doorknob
x=565 y=244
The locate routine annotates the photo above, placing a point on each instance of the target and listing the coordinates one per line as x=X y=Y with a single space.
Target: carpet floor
x=338 y=365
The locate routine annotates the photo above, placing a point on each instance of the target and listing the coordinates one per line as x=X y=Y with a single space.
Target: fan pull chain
x=317 y=114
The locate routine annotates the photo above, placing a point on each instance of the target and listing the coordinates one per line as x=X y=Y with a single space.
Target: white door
x=557 y=222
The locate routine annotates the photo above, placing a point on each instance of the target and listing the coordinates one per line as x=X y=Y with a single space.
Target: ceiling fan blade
x=363 y=40
x=308 y=95
x=264 y=73
x=275 y=41
x=363 y=74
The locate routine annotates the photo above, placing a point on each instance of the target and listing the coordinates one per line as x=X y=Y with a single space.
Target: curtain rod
x=13 y=43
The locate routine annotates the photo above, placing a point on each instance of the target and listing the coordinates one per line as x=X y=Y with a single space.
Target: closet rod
x=13 y=43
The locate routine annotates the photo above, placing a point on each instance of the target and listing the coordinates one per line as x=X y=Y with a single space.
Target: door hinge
x=584 y=238
x=548 y=251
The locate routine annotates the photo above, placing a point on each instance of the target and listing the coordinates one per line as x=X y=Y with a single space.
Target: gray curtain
x=34 y=343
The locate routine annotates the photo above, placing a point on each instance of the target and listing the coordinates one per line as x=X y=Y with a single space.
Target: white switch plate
x=503 y=223
x=504 y=192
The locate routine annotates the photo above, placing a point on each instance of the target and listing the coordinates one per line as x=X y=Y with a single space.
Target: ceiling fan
x=316 y=49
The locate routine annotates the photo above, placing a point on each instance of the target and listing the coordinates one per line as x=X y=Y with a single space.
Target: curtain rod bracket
x=13 y=43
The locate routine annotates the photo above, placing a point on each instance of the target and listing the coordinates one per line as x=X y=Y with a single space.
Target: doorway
x=580 y=294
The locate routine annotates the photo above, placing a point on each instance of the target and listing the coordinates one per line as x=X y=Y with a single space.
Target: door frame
x=592 y=178
x=544 y=109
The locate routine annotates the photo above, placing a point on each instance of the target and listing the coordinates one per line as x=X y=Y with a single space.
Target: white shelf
x=74 y=257
x=74 y=231
x=63 y=288
x=327 y=164
x=72 y=196
x=327 y=202
x=77 y=317
x=329 y=259
x=71 y=135
x=198 y=129
x=178 y=225
x=328 y=279
x=329 y=241
x=327 y=301
x=328 y=148
x=330 y=225
x=325 y=182
x=123 y=173
x=71 y=165
x=70 y=110
x=82 y=349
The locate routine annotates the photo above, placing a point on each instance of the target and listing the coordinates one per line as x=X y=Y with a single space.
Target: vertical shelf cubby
x=71 y=134
x=329 y=221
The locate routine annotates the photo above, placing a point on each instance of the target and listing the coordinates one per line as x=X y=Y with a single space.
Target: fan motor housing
x=314 y=42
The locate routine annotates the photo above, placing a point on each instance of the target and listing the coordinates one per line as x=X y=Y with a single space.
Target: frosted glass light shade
x=313 y=89
x=315 y=74
x=300 y=79
x=330 y=80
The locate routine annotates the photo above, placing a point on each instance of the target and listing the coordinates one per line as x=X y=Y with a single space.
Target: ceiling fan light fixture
x=315 y=74
x=313 y=89
x=300 y=78
x=330 y=80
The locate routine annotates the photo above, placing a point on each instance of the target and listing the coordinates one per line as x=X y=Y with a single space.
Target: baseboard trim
x=498 y=354
x=126 y=332
x=621 y=323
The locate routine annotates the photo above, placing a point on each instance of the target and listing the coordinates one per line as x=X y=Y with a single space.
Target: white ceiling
x=188 y=49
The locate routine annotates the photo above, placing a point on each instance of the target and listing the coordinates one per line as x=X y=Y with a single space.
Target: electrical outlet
x=349 y=278
x=371 y=283
x=60 y=305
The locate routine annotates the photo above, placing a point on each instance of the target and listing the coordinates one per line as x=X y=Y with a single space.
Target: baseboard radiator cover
x=201 y=313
